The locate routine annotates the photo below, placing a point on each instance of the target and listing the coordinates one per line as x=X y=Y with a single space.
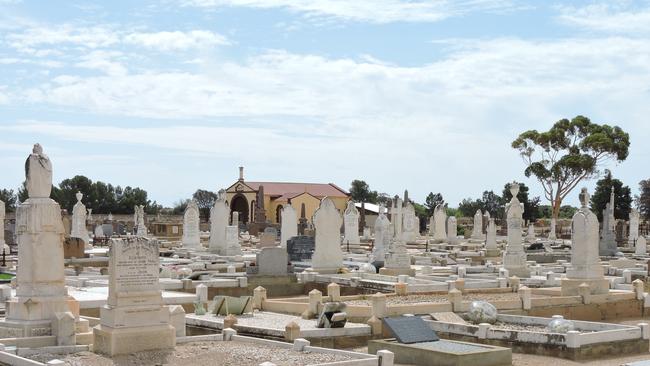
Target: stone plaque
x=300 y=248
x=410 y=329
x=135 y=265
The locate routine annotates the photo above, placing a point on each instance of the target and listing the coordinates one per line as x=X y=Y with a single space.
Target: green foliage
x=492 y=203
x=601 y=196
x=530 y=205
x=432 y=201
x=452 y=211
x=467 y=207
x=205 y=200
x=568 y=153
x=546 y=212
x=180 y=206
x=360 y=192
x=9 y=197
x=643 y=199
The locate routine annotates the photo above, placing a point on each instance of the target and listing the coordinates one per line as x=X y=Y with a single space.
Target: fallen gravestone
x=333 y=315
x=410 y=329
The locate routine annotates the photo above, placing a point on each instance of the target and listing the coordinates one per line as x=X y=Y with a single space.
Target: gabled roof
x=289 y=196
x=318 y=190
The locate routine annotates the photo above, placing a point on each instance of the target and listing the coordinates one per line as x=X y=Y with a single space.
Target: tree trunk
x=557 y=203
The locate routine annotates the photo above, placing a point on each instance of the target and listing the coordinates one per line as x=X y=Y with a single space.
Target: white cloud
x=170 y=41
x=103 y=61
x=613 y=16
x=373 y=11
x=35 y=36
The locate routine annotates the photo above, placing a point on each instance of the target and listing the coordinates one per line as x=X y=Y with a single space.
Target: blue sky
x=173 y=96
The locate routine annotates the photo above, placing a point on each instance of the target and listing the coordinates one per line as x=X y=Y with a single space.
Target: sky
x=172 y=96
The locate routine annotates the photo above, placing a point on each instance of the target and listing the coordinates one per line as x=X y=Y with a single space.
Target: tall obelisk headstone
x=41 y=293
x=134 y=318
x=634 y=227
x=514 y=257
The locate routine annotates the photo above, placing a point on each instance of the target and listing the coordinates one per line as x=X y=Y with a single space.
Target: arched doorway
x=239 y=203
x=278 y=214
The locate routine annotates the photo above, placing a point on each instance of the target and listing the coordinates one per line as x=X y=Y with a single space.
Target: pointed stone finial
x=514 y=189
x=584 y=197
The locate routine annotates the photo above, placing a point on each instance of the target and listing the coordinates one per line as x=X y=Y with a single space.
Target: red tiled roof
x=290 y=190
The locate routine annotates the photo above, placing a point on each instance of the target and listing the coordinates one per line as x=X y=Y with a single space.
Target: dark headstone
x=410 y=329
x=300 y=248
x=333 y=315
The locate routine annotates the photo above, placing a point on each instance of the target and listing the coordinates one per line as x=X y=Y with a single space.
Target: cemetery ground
x=329 y=290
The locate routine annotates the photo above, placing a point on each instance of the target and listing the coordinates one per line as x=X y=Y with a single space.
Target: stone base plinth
x=41 y=308
x=492 y=252
x=119 y=341
x=25 y=328
x=570 y=287
x=521 y=272
x=396 y=271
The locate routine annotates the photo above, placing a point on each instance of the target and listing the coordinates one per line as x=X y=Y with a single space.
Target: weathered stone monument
x=634 y=227
x=259 y=223
x=552 y=235
x=272 y=261
x=514 y=257
x=439 y=222
x=411 y=223
x=585 y=262
x=79 y=212
x=530 y=234
x=191 y=232
x=328 y=257
x=477 y=233
x=452 y=230
x=300 y=248
x=2 y=225
x=302 y=223
x=289 y=227
x=233 y=247
x=382 y=238
x=351 y=227
x=396 y=217
x=141 y=229
x=491 y=248
x=640 y=247
x=219 y=217
x=134 y=318
x=607 y=244
x=397 y=260
x=41 y=294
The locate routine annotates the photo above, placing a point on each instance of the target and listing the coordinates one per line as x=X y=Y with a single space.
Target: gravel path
x=202 y=354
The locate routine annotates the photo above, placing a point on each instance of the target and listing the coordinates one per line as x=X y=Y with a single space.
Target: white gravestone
x=382 y=237
x=40 y=278
x=477 y=230
x=491 y=241
x=351 y=225
x=514 y=257
x=140 y=227
x=219 y=216
x=552 y=235
x=2 y=224
x=232 y=241
x=191 y=232
x=396 y=215
x=585 y=261
x=411 y=224
x=452 y=230
x=530 y=235
x=439 y=222
x=327 y=257
x=634 y=227
x=289 y=227
x=79 y=213
x=134 y=318
x=640 y=247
